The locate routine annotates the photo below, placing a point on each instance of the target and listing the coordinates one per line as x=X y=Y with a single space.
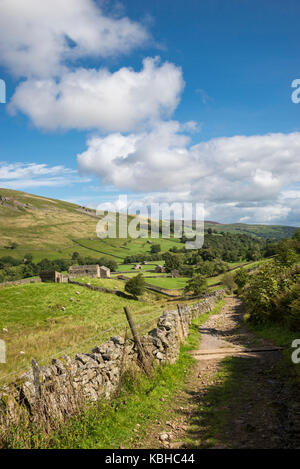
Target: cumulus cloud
x=86 y=99
x=40 y=42
x=38 y=37
x=28 y=175
x=223 y=172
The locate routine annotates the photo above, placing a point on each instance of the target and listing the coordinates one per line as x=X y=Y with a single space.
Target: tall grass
x=45 y=319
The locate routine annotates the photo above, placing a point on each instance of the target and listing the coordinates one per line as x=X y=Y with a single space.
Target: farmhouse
x=93 y=271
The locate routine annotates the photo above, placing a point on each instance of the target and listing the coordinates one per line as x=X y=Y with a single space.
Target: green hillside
x=54 y=229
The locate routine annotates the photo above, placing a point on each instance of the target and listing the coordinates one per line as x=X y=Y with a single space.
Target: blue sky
x=194 y=103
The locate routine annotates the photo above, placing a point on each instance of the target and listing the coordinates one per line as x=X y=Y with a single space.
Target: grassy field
x=111 y=283
x=144 y=268
x=145 y=273
x=168 y=282
x=118 y=249
x=44 y=319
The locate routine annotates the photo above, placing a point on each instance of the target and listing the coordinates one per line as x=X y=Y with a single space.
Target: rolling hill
x=53 y=228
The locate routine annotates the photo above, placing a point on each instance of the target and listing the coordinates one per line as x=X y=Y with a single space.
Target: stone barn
x=51 y=276
x=92 y=271
x=104 y=272
x=160 y=269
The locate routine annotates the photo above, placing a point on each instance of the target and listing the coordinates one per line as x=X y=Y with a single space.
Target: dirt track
x=249 y=405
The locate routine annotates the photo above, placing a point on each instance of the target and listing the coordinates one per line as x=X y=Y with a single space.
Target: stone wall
x=49 y=392
x=20 y=282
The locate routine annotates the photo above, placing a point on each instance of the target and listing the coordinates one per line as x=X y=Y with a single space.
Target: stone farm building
x=52 y=276
x=104 y=272
x=160 y=269
x=93 y=271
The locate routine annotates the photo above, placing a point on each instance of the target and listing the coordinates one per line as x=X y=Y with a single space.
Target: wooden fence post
x=181 y=319
x=141 y=353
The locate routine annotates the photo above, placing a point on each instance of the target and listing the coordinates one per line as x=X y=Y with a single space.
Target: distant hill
x=212 y=222
x=262 y=231
x=53 y=228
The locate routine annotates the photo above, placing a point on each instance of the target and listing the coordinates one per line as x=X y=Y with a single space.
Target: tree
x=8 y=261
x=228 y=281
x=28 y=258
x=110 y=263
x=155 y=248
x=285 y=256
x=196 y=285
x=45 y=265
x=136 y=285
x=172 y=261
x=241 y=277
x=263 y=289
x=296 y=235
x=75 y=255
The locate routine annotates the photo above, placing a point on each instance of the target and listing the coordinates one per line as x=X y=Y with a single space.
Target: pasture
x=43 y=320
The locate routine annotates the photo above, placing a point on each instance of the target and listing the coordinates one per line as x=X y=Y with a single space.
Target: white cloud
x=37 y=37
x=86 y=99
x=40 y=42
x=28 y=175
x=243 y=176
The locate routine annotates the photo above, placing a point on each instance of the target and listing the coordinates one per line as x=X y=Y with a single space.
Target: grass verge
x=282 y=336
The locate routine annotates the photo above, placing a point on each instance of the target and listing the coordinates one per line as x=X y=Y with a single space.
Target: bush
x=196 y=285
x=228 y=282
x=172 y=261
x=270 y=294
x=155 y=248
x=241 y=277
x=8 y=261
x=136 y=285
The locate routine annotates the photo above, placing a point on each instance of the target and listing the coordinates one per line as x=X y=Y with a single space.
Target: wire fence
x=102 y=335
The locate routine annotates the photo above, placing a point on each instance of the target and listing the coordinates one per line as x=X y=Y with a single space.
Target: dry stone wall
x=60 y=389
x=20 y=282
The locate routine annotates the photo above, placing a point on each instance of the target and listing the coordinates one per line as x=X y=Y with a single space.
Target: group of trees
x=273 y=292
x=212 y=259
x=14 y=269
x=88 y=260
